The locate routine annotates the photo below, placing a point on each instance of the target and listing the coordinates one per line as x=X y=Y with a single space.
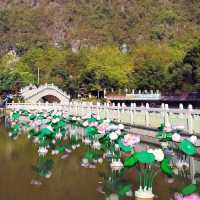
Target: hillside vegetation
x=78 y=44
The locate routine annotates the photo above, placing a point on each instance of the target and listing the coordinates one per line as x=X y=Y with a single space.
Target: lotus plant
x=145 y=163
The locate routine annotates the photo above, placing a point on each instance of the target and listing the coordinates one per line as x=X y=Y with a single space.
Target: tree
x=185 y=75
x=12 y=81
x=151 y=63
x=14 y=73
x=179 y=78
x=106 y=67
x=193 y=58
x=150 y=76
x=46 y=60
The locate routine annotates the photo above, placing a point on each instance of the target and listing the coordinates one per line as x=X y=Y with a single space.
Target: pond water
x=69 y=181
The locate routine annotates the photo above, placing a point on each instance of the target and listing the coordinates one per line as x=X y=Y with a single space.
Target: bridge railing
x=29 y=93
x=144 y=116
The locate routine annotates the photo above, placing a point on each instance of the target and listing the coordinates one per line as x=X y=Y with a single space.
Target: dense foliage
x=78 y=45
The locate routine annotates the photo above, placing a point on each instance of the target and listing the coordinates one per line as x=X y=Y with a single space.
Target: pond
x=69 y=181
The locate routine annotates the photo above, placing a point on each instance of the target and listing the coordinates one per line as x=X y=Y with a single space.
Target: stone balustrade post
x=132 y=113
x=189 y=119
x=147 y=121
x=123 y=106
x=181 y=110
x=162 y=113
x=113 y=113
x=91 y=106
x=76 y=108
x=118 y=112
x=104 y=109
x=107 y=110
x=70 y=108
x=98 y=109
x=82 y=108
x=86 y=108
x=39 y=105
x=166 y=115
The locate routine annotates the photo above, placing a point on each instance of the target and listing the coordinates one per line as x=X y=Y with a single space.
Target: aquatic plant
x=145 y=163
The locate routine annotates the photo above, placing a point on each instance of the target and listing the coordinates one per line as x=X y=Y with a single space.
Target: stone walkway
x=149 y=136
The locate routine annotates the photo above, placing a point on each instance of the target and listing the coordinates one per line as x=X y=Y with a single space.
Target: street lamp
x=38 y=75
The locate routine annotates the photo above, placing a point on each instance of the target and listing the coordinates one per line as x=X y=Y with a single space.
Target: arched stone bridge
x=43 y=93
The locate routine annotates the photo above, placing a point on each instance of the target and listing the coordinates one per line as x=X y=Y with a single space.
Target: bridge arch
x=49 y=99
x=33 y=94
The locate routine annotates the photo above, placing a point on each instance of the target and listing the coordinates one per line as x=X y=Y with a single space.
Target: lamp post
x=38 y=75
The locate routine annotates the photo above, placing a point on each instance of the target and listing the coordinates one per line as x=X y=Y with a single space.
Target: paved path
x=150 y=135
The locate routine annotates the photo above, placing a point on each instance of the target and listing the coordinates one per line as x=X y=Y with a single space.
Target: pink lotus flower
x=118 y=131
x=102 y=128
x=13 y=123
x=131 y=140
x=168 y=129
x=94 y=124
x=24 y=118
x=190 y=197
x=65 y=114
x=36 y=123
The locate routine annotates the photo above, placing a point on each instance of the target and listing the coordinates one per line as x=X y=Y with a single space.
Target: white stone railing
x=37 y=106
x=143 y=116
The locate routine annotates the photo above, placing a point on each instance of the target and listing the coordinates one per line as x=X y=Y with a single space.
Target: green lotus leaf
x=124 y=188
x=40 y=117
x=187 y=147
x=61 y=124
x=189 y=189
x=130 y=161
x=24 y=113
x=16 y=127
x=15 y=116
x=104 y=139
x=92 y=119
x=145 y=157
x=90 y=131
x=89 y=155
x=32 y=117
x=44 y=132
x=32 y=132
x=61 y=149
x=165 y=167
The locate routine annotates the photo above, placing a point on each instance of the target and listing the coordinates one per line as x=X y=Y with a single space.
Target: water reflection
x=43 y=167
x=114 y=187
x=22 y=169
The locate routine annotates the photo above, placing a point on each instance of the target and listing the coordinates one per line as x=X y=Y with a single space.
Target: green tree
x=106 y=67
x=150 y=76
x=46 y=60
